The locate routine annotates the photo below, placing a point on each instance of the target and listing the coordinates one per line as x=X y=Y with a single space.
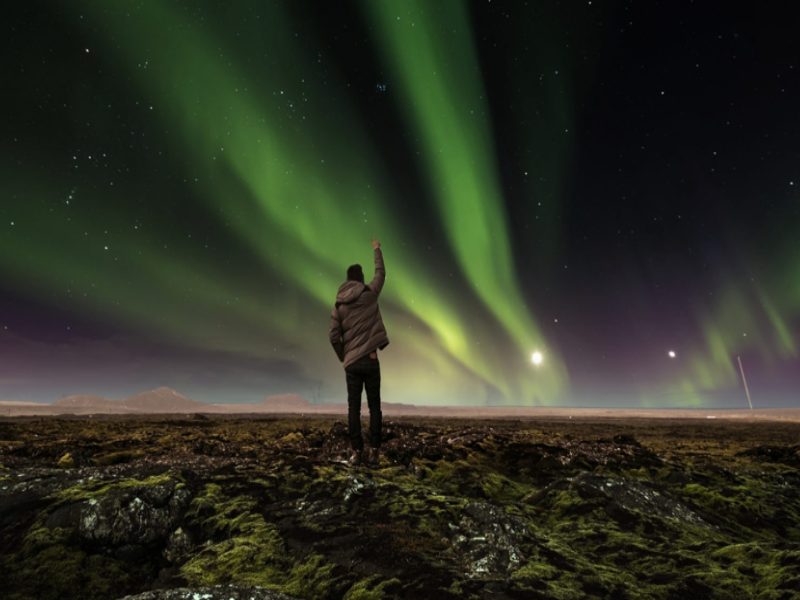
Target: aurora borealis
x=184 y=185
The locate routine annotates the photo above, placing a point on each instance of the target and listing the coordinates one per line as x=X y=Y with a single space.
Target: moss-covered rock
x=119 y=457
x=49 y=565
x=242 y=548
x=66 y=460
x=371 y=588
x=457 y=509
x=216 y=592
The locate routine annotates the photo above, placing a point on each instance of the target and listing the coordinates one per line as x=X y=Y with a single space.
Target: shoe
x=356 y=458
x=374 y=456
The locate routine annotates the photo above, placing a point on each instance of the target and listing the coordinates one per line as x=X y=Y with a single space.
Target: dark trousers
x=364 y=373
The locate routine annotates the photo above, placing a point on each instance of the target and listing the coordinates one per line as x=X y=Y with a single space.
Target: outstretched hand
x=376 y=244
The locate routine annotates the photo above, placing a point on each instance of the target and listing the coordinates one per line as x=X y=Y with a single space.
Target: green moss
x=310 y=578
x=458 y=477
x=66 y=460
x=47 y=567
x=99 y=488
x=370 y=588
x=501 y=489
x=39 y=537
x=558 y=509
x=456 y=587
x=46 y=572
x=535 y=570
x=104 y=577
x=250 y=551
x=738 y=553
x=292 y=438
x=566 y=588
x=760 y=569
x=253 y=558
x=427 y=514
x=221 y=515
x=751 y=505
x=115 y=458
x=644 y=473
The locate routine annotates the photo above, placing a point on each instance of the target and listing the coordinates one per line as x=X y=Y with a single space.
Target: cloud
x=119 y=365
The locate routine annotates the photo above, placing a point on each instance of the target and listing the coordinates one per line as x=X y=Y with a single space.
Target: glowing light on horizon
x=537 y=358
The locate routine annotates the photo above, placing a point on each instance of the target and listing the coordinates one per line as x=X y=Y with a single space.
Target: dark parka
x=356 y=324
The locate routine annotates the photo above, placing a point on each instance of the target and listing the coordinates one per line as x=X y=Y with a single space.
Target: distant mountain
x=399 y=407
x=285 y=403
x=163 y=400
x=21 y=403
x=86 y=401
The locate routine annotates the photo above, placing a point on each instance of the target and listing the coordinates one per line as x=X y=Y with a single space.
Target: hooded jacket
x=356 y=324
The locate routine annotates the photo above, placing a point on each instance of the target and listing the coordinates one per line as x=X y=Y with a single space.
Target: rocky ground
x=264 y=508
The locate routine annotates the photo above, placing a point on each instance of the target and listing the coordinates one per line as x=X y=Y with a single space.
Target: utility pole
x=744 y=381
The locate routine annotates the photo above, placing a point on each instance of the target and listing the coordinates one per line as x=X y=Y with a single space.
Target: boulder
x=489 y=539
x=626 y=500
x=125 y=515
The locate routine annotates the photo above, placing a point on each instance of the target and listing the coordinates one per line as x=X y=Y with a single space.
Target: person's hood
x=349 y=291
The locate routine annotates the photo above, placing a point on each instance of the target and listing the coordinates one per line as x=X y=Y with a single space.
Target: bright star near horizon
x=671 y=354
x=537 y=358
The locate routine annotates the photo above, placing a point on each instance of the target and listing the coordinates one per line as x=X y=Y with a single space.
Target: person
x=356 y=334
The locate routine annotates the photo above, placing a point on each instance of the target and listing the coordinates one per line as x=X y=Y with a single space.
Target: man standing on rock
x=357 y=333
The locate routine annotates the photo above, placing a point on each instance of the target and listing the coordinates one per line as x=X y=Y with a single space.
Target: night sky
x=614 y=185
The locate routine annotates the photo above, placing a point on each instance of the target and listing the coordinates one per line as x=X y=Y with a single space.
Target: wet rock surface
x=232 y=507
x=217 y=592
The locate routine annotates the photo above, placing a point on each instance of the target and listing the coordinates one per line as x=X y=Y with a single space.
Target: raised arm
x=376 y=285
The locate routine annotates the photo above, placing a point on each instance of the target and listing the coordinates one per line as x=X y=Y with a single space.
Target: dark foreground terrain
x=114 y=506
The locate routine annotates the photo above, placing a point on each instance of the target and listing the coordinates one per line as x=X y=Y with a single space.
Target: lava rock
x=625 y=500
x=776 y=454
x=490 y=539
x=123 y=516
x=217 y=592
x=179 y=545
